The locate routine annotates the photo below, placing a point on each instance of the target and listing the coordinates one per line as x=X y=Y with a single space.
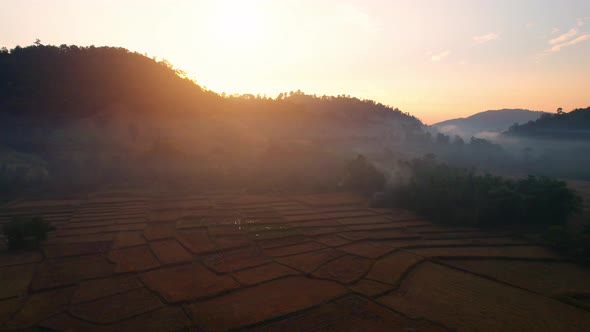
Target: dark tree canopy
x=68 y=81
x=561 y=125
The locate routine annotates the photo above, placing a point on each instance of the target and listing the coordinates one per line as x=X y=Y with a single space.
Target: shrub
x=547 y=200
x=26 y=232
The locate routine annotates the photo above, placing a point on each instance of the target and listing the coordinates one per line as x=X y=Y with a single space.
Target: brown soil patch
x=262 y=302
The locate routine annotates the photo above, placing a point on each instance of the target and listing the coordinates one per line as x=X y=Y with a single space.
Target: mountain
x=47 y=87
x=486 y=123
x=574 y=125
x=108 y=115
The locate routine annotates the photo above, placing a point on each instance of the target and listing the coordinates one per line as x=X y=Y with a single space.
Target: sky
x=434 y=59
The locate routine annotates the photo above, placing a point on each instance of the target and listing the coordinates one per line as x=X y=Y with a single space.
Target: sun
x=238 y=24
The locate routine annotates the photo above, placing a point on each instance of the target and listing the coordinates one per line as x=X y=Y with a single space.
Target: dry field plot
x=522 y=252
x=470 y=303
x=132 y=261
x=549 y=278
x=352 y=313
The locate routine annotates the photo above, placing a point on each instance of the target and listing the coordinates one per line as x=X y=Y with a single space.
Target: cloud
x=580 y=39
x=580 y=22
x=440 y=56
x=563 y=37
x=554 y=31
x=485 y=38
x=530 y=25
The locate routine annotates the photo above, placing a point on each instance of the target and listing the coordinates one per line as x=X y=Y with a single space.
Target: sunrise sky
x=434 y=59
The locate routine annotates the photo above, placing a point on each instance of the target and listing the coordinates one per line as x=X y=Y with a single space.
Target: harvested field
x=208 y=263
x=470 y=303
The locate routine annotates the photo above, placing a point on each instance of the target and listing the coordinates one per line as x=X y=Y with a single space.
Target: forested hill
x=572 y=125
x=67 y=82
x=94 y=116
x=71 y=81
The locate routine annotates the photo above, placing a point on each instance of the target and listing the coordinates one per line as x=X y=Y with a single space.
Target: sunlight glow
x=425 y=57
x=237 y=25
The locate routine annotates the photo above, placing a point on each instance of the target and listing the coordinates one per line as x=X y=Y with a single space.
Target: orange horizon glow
x=430 y=59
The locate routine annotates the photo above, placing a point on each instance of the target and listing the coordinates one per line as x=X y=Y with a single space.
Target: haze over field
x=434 y=59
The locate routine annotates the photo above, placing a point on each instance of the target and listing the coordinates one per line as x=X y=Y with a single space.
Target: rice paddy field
x=139 y=261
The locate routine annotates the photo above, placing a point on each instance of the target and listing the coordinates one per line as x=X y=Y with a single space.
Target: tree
x=23 y=232
x=514 y=127
x=442 y=139
x=546 y=116
x=363 y=176
x=560 y=111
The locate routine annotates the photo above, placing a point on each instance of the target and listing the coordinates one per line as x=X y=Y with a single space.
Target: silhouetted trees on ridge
x=561 y=125
x=70 y=81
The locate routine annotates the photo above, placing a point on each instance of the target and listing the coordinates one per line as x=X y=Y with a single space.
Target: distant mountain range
x=488 y=123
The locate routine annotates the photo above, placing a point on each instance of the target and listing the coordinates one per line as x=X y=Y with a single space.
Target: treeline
x=46 y=88
x=64 y=82
x=461 y=196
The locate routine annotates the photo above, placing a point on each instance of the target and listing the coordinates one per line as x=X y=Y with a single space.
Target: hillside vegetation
x=574 y=125
x=86 y=116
